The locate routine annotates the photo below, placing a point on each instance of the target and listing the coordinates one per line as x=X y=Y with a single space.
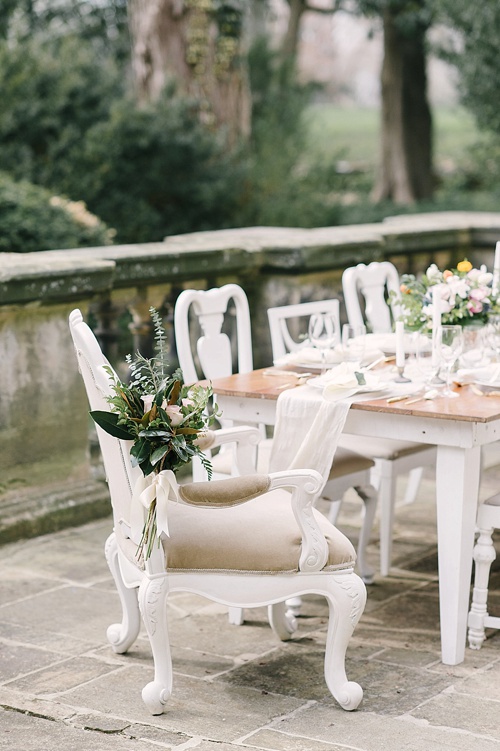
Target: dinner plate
x=368 y=388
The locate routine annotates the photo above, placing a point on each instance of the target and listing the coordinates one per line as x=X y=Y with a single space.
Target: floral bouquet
x=163 y=418
x=466 y=296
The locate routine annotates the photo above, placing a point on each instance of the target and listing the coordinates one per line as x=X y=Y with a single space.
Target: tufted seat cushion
x=260 y=535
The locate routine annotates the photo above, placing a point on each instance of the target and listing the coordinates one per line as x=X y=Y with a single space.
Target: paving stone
x=277 y=741
x=158 y=735
x=63 y=676
x=100 y=722
x=212 y=710
x=22 y=732
x=69 y=610
x=16 y=585
x=366 y=731
x=16 y=660
x=31 y=635
x=476 y=714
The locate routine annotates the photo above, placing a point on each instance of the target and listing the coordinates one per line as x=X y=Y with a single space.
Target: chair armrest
x=246 y=439
x=304 y=484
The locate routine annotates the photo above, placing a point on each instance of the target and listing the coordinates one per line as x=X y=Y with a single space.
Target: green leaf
x=108 y=421
x=141 y=450
x=360 y=377
x=158 y=454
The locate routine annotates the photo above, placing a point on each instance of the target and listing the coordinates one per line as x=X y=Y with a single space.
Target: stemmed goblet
x=322 y=333
x=450 y=341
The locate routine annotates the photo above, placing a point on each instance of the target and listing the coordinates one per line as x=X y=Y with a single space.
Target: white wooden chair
x=246 y=541
x=488 y=519
x=349 y=470
x=372 y=283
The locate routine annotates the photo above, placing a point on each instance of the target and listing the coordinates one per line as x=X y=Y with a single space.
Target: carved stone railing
x=47 y=476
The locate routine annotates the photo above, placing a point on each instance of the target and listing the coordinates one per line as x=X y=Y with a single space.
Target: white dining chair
x=372 y=284
x=208 y=310
x=246 y=541
x=488 y=519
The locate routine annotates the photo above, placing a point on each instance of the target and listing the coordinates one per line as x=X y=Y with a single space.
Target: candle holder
x=401 y=378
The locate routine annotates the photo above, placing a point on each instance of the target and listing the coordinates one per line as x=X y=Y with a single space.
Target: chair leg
x=153 y=604
x=387 y=497
x=333 y=511
x=414 y=480
x=484 y=555
x=122 y=635
x=346 y=597
x=282 y=620
x=369 y=496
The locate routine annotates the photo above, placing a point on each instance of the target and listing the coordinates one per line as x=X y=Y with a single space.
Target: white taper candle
x=436 y=322
x=496 y=270
x=400 y=344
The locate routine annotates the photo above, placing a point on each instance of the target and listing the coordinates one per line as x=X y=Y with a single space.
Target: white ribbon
x=162 y=486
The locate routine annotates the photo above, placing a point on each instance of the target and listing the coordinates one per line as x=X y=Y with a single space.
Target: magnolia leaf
x=360 y=377
x=141 y=450
x=174 y=394
x=187 y=431
x=158 y=454
x=153 y=433
x=108 y=421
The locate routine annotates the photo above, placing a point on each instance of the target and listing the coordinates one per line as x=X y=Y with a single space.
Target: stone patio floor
x=62 y=687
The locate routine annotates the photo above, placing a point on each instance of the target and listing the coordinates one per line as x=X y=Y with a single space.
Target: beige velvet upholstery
x=384 y=448
x=229 y=492
x=345 y=462
x=247 y=544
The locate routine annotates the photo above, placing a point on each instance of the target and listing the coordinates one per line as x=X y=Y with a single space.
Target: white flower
x=148 y=402
x=457 y=286
x=433 y=274
x=175 y=414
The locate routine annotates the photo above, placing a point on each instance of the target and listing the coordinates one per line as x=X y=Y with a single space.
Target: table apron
x=428 y=430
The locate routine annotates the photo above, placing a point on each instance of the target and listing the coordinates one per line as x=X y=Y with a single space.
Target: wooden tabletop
x=469 y=407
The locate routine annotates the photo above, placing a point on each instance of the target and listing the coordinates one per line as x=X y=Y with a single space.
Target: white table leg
x=457 y=486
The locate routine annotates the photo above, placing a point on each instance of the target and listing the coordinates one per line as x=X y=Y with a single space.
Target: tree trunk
x=189 y=42
x=405 y=172
x=291 y=39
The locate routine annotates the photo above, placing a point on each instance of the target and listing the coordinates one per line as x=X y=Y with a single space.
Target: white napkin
x=307 y=431
x=344 y=380
x=312 y=356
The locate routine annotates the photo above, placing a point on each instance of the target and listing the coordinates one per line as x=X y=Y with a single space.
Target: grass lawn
x=353 y=134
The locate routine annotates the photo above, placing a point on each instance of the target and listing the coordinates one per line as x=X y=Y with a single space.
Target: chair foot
x=122 y=635
x=155 y=696
x=282 y=621
x=236 y=616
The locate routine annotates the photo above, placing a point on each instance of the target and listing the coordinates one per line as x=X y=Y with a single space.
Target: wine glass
x=492 y=334
x=353 y=342
x=322 y=333
x=450 y=342
x=426 y=364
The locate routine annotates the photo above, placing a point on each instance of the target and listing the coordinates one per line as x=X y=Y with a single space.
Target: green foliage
x=155 y=171
x=51 y=95
x=473 y=49
x=283 y=187
x=32 y=219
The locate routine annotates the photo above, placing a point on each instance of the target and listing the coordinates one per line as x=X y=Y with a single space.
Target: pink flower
x=478 y=294
x=187 y=403
x=175 y=414
x=474 y=306
x=148 y=402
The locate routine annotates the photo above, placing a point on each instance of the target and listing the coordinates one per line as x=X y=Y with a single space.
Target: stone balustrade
x=48 y=478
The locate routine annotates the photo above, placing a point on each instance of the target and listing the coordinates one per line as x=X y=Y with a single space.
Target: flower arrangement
x=163 y=418
x=466 y=296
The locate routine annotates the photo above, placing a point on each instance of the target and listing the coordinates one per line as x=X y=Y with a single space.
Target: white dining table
x=458 y=427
